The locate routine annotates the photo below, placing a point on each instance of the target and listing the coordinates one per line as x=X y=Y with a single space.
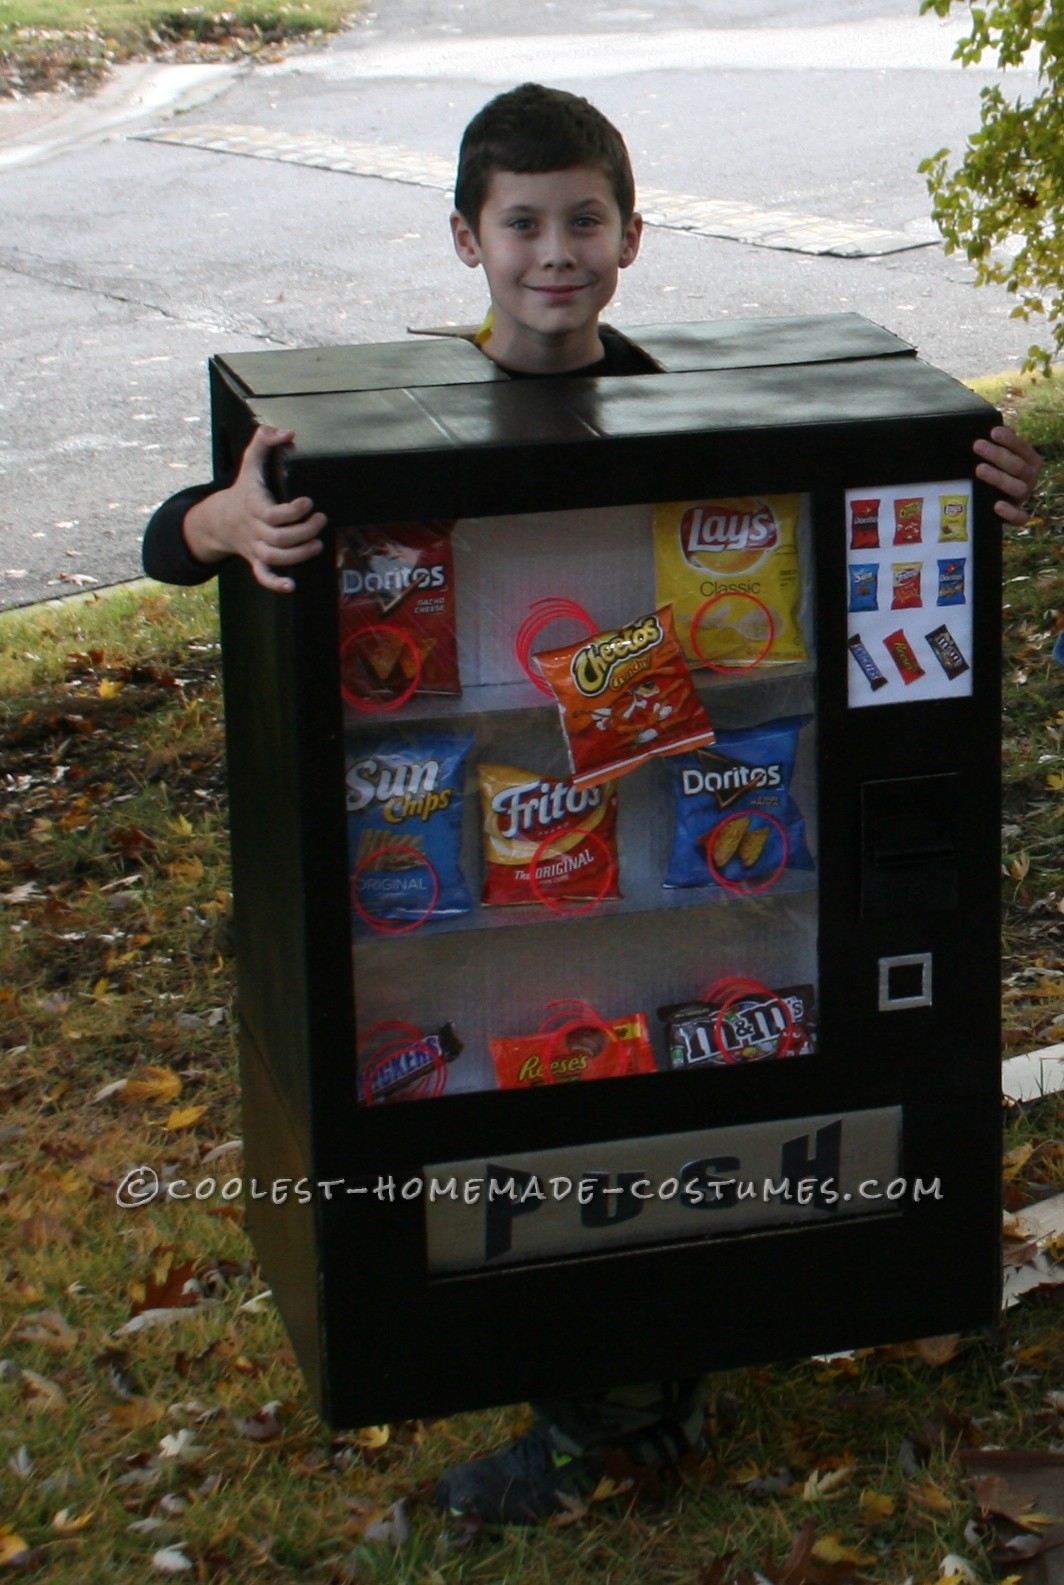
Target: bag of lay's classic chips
x=404 y=826
x=737 y=825
x=546 y=841
x=730 y=570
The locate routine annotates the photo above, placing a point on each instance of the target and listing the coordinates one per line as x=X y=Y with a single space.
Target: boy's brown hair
x=531 y=130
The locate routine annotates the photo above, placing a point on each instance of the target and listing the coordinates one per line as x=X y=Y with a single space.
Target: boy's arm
x=1011 y=466
x=242 y=519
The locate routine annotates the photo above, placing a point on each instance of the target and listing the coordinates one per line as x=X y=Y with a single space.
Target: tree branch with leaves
x=1003 y=204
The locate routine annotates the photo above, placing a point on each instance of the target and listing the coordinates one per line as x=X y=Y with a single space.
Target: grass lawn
x=129 y=1452
x=48 y=44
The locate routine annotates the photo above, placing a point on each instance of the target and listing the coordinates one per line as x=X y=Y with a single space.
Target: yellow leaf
x=1019 y=867
x=181 y=826
x=608 y=1488
x=1055 y=781
x=101 y=990
x=136 y=1414
x=829 y=1549
x=68 y=1523
x=932 y=1497
x=373 y=1436
x=157 y=1084
x=109 y=689
x=185 y=1116
x=11 y=1545
x=876 y=1506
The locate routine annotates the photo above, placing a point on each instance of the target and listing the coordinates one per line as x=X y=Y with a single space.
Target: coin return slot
x=904 y=982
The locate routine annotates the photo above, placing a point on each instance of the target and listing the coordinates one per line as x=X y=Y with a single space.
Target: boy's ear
x=465 y=242
x=633 y=235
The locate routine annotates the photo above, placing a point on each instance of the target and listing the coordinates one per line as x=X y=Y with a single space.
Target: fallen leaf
x=157 y=1084
x=49 y=1328
x=171 y=1560
x=12 y=1546
x=938 y=1350
x=264 y=1426
x=829 y=1549
x=68 y=1523
x=44 y=1394
x=392 y=1528
x=821 y=1483
x=877 y=1506
x=40 y=1230
x=371 y=1437
x=184 y=1117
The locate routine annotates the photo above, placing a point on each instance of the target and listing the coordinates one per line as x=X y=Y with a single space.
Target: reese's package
x=590 y=1049
x=737 y=824
x=404 y=825
x=730 y=570
x=752 y=1025
x=397 y=614
x=625 y=697
x=546 y=841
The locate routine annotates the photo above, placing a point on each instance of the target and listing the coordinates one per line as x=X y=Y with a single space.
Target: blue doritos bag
x=736 y=822
x=404 y=827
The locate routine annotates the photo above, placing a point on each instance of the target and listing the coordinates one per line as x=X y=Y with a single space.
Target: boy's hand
x=246 y=520
x=1011 y=466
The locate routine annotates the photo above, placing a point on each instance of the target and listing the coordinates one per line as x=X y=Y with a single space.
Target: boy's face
x=551 y=245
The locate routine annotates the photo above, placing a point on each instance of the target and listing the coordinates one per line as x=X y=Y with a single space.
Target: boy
x=545 y=204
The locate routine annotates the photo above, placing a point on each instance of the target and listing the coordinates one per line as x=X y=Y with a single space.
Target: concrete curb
x=38 y=127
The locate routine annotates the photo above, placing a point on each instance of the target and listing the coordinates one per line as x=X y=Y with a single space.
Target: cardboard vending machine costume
x=614 y=827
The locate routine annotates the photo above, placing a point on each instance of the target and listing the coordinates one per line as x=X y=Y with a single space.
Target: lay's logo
x=715 y=526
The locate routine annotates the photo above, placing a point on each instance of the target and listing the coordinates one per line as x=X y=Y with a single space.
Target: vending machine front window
x=627 y=772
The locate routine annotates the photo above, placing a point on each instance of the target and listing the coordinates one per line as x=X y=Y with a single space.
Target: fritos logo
x=728 y=536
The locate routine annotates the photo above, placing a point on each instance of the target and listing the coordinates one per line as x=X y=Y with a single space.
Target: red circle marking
x=715 y=599
x=737 y=886
x=585 y=1018
x=572 y=910
x=401 y=1036
x=737 y=990
x=540 y=615
x=377 y=706
x=385 y=926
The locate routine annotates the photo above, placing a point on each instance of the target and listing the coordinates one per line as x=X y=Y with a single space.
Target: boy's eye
x=587 y=220
x=520 y=223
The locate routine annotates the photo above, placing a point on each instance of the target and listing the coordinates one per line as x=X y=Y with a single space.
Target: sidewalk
x=41 y=125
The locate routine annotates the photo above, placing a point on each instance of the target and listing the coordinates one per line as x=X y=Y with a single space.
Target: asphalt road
x=126 y=261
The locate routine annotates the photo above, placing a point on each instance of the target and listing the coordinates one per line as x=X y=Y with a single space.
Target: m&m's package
x=740 y=1022
x=625 y=697
x=404 y=823
x=737 y=824
x=397 y=614
x=546 y=841
x=730 y=570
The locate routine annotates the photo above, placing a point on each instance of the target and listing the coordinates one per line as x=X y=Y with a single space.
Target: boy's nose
x=558 y=249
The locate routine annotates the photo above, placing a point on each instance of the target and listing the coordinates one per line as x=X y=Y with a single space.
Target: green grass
x=116 y=963
x=65 y=43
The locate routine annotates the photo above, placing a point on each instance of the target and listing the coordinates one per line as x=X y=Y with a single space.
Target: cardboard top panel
x=451 y=359
x=522 y=414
